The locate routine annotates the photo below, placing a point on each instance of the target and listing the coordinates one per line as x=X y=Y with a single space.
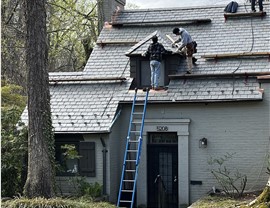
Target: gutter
x=197 y=101
x=216 y=75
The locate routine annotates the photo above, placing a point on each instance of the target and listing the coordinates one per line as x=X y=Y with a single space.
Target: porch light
x=203 y=143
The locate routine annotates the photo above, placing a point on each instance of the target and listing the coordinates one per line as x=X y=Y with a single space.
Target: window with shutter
x=75 y=156
x=87 y=161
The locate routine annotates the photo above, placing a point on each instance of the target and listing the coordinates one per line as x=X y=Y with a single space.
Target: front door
x=162 y=170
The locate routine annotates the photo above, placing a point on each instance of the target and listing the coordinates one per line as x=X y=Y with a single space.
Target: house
x=222 y=108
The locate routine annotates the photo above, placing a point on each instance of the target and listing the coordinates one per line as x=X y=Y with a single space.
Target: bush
x=232 y=182
x=85 y=188
x=13 y=142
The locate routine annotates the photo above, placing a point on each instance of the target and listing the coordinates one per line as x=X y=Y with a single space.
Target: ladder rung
x=137 y=113
x=130 y=181
x=130 y=170
x=134 y=131
x=130 y=160
x=134 y=122
x=134 y=141
x=125 y=201
x=130 y=191
x=132 y=151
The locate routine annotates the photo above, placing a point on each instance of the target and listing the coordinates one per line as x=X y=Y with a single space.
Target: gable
x=142 y=46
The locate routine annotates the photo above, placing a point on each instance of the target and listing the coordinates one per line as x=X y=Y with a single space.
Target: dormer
x=140 y=66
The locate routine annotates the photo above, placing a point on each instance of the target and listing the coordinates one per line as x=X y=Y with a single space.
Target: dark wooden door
x=162 y=170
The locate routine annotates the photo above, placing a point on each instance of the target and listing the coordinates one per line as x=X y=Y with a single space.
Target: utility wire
x=251 y=48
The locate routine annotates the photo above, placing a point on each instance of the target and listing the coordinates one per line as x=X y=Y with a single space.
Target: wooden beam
x=78 y=79
x=264 y=77
x=235 y=55
x=244 y=14
x=239 y=74
x=118 y=42
x=162 y=23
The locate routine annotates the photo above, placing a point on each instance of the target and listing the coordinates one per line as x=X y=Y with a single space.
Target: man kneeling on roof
x=186 y=46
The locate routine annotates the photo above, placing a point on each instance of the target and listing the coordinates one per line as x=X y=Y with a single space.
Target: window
x=74 y=156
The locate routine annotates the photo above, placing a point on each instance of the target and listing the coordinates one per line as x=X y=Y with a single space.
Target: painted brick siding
x=234 y=127
x=116 y=151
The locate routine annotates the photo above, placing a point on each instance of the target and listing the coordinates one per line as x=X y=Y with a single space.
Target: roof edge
x=185 y=8
x=82 y=132
x=197 y=101
x=232 y=74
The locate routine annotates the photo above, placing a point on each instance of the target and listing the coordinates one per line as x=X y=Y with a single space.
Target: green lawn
x=54 y=203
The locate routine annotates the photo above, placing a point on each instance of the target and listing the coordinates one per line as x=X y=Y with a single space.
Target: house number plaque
x=162 y=128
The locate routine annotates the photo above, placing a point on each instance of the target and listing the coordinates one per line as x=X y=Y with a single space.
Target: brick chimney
x=106 y=9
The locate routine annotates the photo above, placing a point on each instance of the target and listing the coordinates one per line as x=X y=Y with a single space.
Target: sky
x=144 y=4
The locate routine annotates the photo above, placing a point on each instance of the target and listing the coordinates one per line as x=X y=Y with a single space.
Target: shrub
x=13 y=142
x=232 y=182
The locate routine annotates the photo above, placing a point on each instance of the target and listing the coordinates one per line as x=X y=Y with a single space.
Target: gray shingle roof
x=144 y=43
x=90 y=106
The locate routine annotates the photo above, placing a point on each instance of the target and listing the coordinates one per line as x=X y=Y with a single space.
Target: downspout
x=104 y=151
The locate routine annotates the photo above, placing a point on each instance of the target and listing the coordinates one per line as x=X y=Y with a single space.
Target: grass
x=227 y=202
x=205 y=202
x=54 y=203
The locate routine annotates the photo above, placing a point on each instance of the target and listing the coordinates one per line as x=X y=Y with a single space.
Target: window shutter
x=87 y=159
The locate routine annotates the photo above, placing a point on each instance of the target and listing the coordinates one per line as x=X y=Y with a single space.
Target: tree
x=40 y=173
x=13 y=141
x=72 y=33
x=264 y=197
x=12 y=42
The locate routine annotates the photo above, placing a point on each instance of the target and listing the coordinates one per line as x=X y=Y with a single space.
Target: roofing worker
x=155 y=52
x=253 y=5
x=186 y=46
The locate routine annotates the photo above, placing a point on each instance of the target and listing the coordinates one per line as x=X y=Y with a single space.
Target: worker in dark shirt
x=155 y=52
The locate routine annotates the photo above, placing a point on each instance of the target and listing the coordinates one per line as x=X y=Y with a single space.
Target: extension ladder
x=132 y=153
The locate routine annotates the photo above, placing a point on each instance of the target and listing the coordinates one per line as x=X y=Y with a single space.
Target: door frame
x=154 y=151
x=181 y=126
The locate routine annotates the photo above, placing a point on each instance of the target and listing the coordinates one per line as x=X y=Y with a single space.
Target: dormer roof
x=142 y=45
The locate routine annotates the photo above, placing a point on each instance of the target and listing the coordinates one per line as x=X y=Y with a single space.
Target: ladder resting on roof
x=131 y=162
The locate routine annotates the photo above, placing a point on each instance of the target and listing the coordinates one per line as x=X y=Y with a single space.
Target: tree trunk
x=40 y=174
x=265 y=195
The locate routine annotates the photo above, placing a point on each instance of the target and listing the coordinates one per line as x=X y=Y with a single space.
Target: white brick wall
x=236 y=127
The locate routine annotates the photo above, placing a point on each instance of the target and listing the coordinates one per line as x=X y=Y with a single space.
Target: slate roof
x=90 y=106
x=142 y=45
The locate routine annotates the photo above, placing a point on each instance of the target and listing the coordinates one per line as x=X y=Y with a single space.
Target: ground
x=227 y=202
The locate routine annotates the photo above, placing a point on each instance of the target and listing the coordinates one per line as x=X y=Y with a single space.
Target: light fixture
x=203 y=143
